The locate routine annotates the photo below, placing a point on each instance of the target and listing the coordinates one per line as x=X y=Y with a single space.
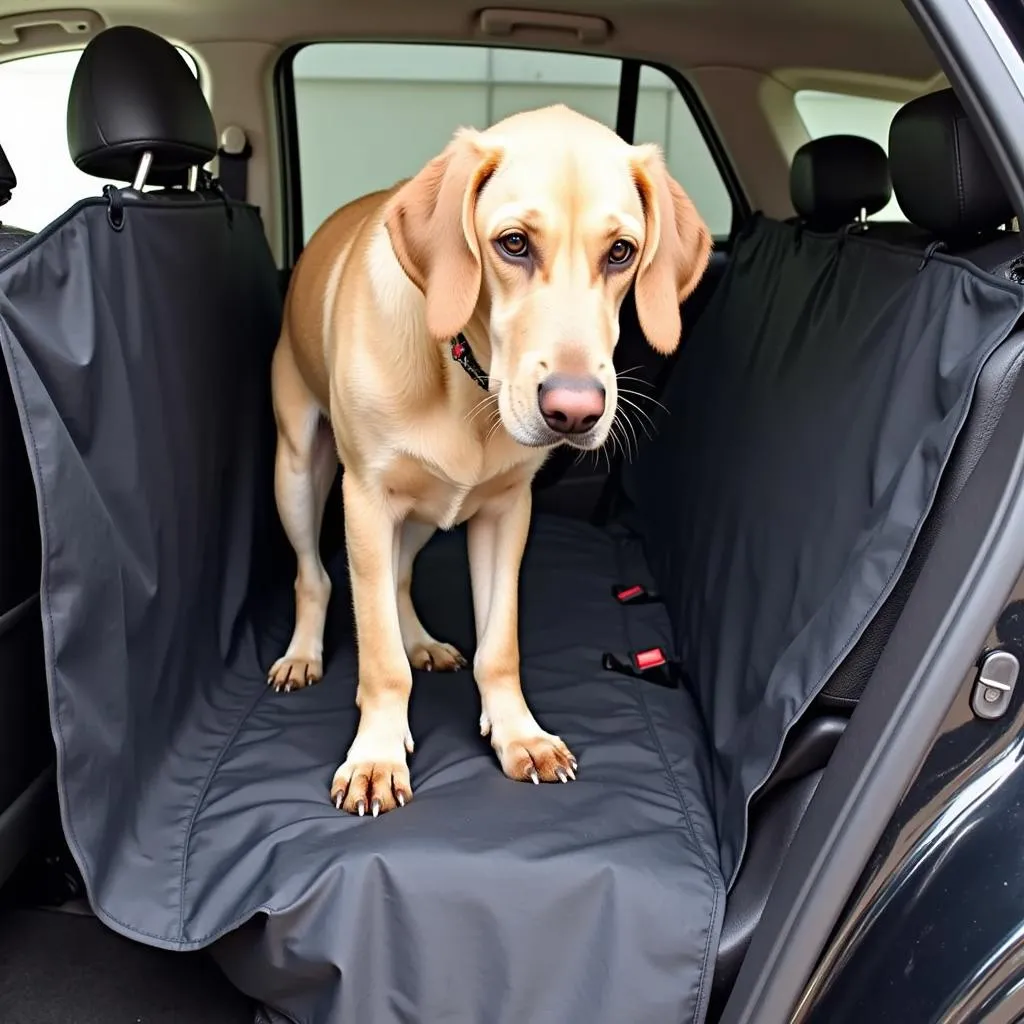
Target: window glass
x=663 y=116
x=369 y=114
x=33 y=134
x=834 y=113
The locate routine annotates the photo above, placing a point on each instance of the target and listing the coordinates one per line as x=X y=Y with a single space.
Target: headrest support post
x=142 y=172
x=839 y=180
x=193 y=178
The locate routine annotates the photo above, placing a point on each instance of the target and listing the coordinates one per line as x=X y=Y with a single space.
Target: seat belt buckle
x=634 y=593
x=650 y=664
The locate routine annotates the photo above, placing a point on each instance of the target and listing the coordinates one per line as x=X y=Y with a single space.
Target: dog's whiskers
x=493 y=430
x=646 y=398
x=641 y=412
x=616 y=440
x=480 y=407
x=624 y=422
x=639 y=380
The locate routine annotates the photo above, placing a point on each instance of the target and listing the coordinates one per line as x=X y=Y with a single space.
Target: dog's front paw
x=293 y=672
x=374 y=777
x=531 y=755
x=434 y=656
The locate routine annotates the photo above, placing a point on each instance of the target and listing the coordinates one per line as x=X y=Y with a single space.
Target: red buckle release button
x=628 y=593
x=652 y=658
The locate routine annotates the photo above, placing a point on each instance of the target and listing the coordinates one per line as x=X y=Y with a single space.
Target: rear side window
x=836 y=113
x=369 y=114
x=33 y=134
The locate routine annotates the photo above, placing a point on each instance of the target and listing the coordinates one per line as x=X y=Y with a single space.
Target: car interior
x=702 y=605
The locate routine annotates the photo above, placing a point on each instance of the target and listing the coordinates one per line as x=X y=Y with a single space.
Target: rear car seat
x=195 y=800
x=26 y=749
x=943 y=179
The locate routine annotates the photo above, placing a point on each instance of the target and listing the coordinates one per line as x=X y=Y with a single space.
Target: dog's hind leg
x=305 y=467
x=423 y=650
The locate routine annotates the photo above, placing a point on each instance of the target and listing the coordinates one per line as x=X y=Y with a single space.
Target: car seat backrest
x=943 y=178
x=810 y=416
x=780 y=804
x=121 y=294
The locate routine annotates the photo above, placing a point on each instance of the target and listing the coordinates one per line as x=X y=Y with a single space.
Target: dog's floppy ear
x=675 y=254
x=430 y=221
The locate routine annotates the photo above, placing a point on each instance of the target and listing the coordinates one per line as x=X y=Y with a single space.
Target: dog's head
x=541 y=224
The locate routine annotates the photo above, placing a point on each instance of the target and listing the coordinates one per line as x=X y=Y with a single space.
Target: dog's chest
x=446 y=485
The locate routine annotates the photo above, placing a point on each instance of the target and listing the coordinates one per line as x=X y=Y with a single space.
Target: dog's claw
x=293 y=673
x=361 y=808
x=562 y=777
x=572 y=775
x=572 y=764
x=534 y=777
x=375 y=807
x=401 y=799
x=339 y=800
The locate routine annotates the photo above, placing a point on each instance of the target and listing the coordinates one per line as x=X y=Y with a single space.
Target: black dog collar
x=463 y=355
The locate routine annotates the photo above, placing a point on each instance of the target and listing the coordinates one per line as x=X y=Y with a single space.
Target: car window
x=369 y=114
x=835 y=113
x=33 y=134
x=663 y=116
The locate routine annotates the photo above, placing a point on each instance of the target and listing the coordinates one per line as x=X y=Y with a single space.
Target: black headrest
x=8 y=182
x=943 y=179
x=835 y=177
x=132 y=93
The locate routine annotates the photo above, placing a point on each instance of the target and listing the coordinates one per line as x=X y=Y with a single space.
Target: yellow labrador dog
x=440 y=338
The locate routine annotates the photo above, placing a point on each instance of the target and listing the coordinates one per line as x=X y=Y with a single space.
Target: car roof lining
x=875 y=41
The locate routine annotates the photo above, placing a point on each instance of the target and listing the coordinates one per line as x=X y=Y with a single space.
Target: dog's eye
x=621 y=252
x=514 y=244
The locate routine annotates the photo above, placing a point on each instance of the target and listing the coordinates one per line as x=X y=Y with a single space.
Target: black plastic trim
x=629 y=93
x=292 y=239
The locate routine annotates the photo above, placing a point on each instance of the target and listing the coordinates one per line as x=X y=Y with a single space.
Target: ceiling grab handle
x=505 y=21
x=27 y=32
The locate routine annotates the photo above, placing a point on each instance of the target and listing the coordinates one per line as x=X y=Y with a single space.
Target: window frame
x=290 y=177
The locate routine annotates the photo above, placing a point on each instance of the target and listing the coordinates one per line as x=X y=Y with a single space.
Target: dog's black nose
x=570 y=405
